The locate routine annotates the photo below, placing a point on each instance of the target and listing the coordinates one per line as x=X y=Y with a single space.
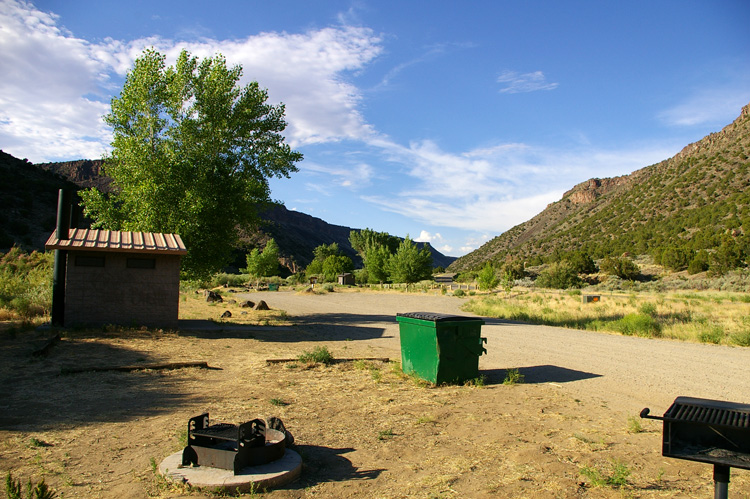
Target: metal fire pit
x=233 y=447
x=707 y=431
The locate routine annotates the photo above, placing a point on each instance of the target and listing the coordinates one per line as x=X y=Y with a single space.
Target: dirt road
x=625 y=373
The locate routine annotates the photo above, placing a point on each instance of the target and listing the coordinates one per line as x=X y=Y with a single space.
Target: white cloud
x=354 y=177
x=56 y=87
x=719 y=105
x=496 y=188
x=426 y=237
x=527 y=82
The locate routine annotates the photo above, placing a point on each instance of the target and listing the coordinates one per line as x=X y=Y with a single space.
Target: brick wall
x=116 y=294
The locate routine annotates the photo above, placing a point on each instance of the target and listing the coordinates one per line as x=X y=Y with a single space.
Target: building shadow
x=539 y=374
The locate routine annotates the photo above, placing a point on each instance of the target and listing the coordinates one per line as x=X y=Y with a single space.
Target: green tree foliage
x=192 y=154
x=699 y=263
x=265 y=264
x=329 y=262
x=728 y=256
x=582 y=262
x=676 y=258
x=620 y=266
x=376 y=249
x=559 y=275
x=409 y=264
x=513 y=269
x=487 y=278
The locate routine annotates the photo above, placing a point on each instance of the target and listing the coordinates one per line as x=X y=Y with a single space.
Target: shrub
x=319 y=355
x=621 y=266
x=699 y=263
x=459 y=293
x=637 y=324
x=560 y=275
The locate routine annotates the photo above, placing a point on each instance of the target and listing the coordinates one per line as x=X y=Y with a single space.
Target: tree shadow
x=326 y=464
x=37 y=396
x=539 y=374
x=314 y=327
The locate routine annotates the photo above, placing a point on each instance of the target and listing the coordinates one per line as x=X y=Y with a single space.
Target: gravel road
x=624 y=373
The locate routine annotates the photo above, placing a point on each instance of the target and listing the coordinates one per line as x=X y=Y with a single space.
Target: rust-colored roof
x=115 y=240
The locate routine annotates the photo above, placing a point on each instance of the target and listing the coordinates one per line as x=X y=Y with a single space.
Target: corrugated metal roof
x=115 y=240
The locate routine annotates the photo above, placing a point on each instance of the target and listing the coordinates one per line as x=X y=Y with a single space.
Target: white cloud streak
x=496 y=188
x=708 y=106
x=516 y=83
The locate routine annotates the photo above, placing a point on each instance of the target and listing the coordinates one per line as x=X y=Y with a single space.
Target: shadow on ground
x=539 y=374
x=326 y=464
x=36 y=395
x=315 y=327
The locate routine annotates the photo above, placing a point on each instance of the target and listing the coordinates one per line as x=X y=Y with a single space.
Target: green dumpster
x=440 y=348
x=273 y=287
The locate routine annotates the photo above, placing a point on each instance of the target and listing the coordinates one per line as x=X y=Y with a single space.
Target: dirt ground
x=363 y=428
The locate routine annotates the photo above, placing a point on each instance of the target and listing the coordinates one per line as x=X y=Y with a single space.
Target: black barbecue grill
x=707 y=431
x=233 y=447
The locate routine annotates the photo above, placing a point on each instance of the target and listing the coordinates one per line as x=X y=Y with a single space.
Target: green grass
x=386 y=434
x=513 y=377
x=616 y=477
x=278 y=402
x=319 y=355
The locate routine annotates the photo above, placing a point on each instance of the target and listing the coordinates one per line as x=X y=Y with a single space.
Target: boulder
x=247 y=304
x=227 y=314
x=262 y=305
x=213 y=297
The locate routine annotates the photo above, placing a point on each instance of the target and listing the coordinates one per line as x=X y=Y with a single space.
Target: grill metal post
x=721 y=481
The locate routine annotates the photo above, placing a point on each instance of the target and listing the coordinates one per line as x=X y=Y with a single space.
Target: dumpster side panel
x=459 y=347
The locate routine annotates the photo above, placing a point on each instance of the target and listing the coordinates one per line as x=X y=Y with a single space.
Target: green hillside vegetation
x=690 y=212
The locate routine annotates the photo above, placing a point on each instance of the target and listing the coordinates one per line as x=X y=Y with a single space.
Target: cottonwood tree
x=265 y=264
x=192 y=154
x=409 y=264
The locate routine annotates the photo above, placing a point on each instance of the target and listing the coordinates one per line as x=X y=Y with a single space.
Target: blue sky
x=448 y=121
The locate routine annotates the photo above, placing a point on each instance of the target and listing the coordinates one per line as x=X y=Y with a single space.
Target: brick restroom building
x=117 y=277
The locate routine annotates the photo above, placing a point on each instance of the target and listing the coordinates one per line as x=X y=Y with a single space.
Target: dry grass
x=706 y=316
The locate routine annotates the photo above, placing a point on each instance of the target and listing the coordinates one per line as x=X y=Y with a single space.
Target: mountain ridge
x=706 y=178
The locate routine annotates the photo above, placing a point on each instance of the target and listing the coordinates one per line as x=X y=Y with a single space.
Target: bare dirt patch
x=363 y=429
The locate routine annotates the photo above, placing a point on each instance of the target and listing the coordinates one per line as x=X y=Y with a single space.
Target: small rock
x=232 y=302
x=226 y=314
x=247 y=304
x=213 y=296
x=262 y=305
x=243 y=313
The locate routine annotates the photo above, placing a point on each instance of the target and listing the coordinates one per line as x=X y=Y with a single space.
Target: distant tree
x=265 y=264
x=192 y=153
x=487 y=278
x=728 y=256
x=329 y=262
x=375 y=249
x=559 y=275
x=699 y=263
x=676 y=258
x=620 y=266
x=582 y=262
x=514 y=269
x=409 y=264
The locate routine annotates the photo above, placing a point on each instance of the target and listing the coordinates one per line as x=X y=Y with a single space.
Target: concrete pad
x=267 y=476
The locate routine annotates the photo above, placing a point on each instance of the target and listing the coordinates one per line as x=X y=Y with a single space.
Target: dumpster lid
x=434 y=317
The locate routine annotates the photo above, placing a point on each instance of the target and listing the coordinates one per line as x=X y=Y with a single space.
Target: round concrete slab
x=267 y=476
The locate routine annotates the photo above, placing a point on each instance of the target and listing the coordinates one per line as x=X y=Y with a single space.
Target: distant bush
x=582 y=262
x=459 y=293
x=620 y=266
x=233 y=280
x=560 y=275
x=699 y=263
x=638 y=325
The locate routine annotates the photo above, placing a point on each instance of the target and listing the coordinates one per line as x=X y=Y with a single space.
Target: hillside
x=30 y=204
x=690 y=201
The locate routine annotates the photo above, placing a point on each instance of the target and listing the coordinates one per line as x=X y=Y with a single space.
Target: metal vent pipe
x=64 y=201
